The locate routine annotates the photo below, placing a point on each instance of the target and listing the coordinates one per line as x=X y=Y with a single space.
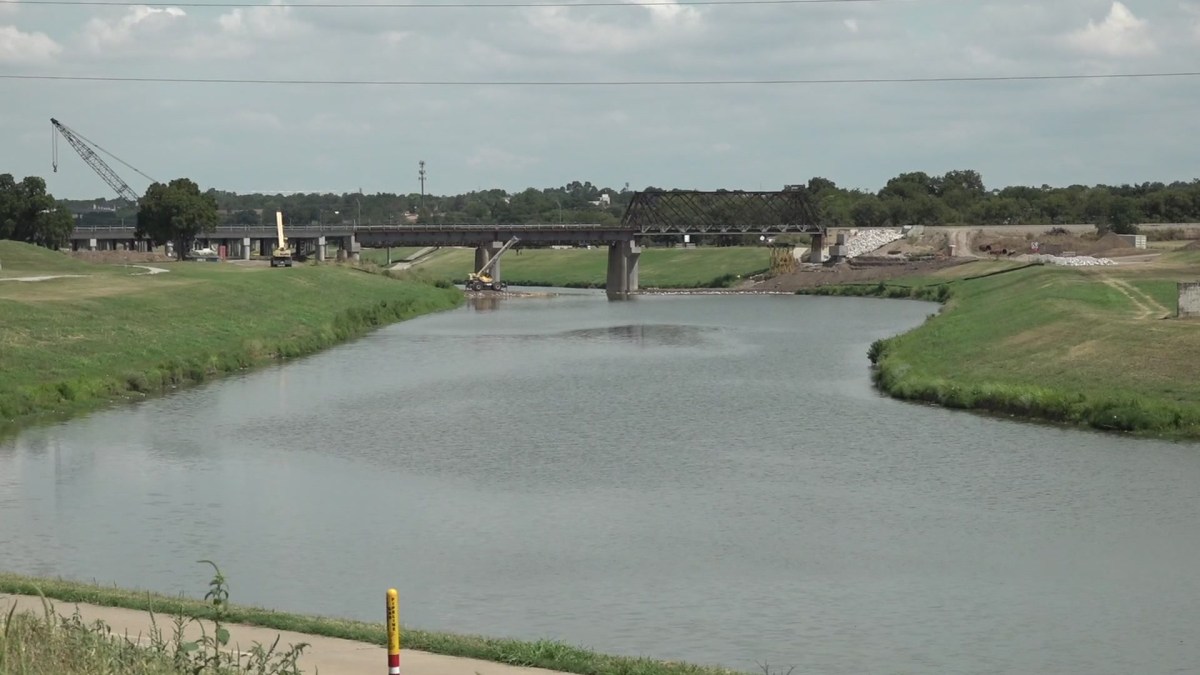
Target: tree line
x=958 y=197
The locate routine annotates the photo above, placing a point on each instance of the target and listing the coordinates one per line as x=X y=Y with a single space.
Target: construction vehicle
x=281 y=254
x=482 y=279
x=84 y=147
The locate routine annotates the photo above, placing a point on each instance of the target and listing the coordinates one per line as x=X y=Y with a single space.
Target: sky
x=482 y=135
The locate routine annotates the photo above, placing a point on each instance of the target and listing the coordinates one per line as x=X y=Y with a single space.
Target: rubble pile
x=869 y=240
x=1074 y=260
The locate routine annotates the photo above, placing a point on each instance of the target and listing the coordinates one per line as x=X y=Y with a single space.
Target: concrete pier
x=816 y=252
x=486 y=252
x=623 y=264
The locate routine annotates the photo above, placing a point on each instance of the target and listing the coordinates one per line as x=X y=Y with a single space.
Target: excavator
x=282 y=254
x=481 y=280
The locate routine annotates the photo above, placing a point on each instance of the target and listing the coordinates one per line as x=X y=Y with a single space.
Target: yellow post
x=393 y=631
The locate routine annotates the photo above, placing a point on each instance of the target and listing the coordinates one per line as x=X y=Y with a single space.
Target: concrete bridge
x=650 y=213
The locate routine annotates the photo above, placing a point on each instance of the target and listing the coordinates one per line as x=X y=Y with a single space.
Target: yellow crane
x=282 y=254
x=482 y=279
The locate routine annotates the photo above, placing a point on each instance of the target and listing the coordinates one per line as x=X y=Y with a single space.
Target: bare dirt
x=935 y=248
x=812 y=276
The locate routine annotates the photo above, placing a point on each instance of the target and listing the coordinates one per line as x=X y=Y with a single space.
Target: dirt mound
x=810 y=276
x=1194 y=246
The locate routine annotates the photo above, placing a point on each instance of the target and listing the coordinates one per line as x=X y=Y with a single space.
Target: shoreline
x=546 y=654
x=893 y=373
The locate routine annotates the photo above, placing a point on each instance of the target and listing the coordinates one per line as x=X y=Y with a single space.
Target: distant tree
x=868 y=211
x=176 y=212
x=29 y=213
x=1123 y=215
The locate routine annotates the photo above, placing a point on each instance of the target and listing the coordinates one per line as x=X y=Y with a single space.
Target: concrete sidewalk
x=329 y=656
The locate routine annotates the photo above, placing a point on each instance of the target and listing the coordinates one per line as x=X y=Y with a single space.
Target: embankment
x=704 y=267
x=540 y=654
x=1089 y=348
x=73 y=344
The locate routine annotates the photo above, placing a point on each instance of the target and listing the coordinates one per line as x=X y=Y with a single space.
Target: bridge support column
x=321 y=248
x=816 y=252
x=623 y=263
x=245 y=252
x=353 y=248
x=91 y=244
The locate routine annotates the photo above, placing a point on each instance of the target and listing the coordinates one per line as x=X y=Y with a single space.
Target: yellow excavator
x=282 y=254
x=481 y=279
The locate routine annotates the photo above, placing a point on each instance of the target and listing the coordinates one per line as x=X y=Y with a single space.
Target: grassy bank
x=540 y=654
x=711 y=267
x=71 y=344
x=1092 y=347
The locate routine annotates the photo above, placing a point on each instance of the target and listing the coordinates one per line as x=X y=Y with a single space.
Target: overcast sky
x=340 y=138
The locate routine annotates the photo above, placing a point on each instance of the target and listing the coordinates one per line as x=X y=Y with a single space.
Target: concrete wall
x=1189 y=298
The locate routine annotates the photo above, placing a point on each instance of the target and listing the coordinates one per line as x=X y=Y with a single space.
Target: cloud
x=1120 y=34
x=851 y=25
x=576 y=33
x=276 y=22
x=101 y=35
x=19 y=47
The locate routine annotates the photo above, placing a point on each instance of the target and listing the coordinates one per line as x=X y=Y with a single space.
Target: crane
x=84 y=147
x=481 y=280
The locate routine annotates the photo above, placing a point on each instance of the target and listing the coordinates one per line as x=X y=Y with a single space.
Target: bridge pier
x=816 y=252
x=484 y=253
x=321 y=248
x=623 y=263
x=245 y=252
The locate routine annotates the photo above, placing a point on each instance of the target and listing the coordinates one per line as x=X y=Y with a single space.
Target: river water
x=706 y=478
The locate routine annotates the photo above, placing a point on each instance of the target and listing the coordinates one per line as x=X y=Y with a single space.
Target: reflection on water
x=644 y=334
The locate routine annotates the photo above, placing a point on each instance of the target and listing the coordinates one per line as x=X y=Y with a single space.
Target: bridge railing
x=442 y=227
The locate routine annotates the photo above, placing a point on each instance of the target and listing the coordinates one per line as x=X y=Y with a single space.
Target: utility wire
x=443 y=5
x=602 y=83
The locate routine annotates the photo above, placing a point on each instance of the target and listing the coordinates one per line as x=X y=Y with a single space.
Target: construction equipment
x=482 y=280
x=84 y=147
x=281 y=254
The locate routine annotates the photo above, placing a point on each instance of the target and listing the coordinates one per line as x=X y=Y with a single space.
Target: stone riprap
x=1074 y=260
x=868 y=240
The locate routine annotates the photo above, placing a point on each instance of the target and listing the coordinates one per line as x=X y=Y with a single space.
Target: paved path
x=329 y=656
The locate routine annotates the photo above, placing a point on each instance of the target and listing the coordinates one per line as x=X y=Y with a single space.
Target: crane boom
x=496 y=258
x=93 y=160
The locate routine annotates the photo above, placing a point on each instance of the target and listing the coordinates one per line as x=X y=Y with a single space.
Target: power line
x=601 y=83
x=441 y=5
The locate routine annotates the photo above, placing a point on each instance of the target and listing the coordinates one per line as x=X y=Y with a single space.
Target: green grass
x=540 y=654
x=71 y=344
x=19 y=260
x=704 y=267
x=1088 y=347
x=379 y=256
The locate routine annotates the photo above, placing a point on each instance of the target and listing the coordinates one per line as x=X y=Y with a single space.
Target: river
x=709 y=478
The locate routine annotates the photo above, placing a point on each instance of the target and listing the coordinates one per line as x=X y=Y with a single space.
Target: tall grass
x=57 y=644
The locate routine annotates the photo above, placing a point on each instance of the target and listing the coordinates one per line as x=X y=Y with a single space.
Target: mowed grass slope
x=587 y=268
x=1093 y=346
x=71 y=343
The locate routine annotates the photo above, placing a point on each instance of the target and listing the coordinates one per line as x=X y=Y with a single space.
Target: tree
x=176 y=212
x=29 y=213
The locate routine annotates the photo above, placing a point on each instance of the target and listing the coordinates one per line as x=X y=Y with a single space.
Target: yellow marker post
x=393 y=631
